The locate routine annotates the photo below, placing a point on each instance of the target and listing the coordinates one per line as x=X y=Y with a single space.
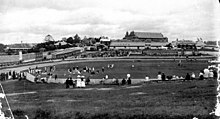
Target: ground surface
x=154 y=100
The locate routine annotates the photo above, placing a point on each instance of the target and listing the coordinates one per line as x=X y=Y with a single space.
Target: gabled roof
x=148 y=35
x=61 y=43
x=20 y=46
x=105 y=40
x=68 y=50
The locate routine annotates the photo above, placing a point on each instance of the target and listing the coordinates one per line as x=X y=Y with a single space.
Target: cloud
x=29 y=20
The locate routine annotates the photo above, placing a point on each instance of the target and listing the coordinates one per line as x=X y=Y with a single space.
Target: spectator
x=102 y=81
x=206 y=73
x=116 y=82
x=187 y=77
x=87 y=80
x=103 y=69
x=55 y=77
x=215 y=74
x=163 y=77
x=211 y=74
x=180 y=63
x=129 y=81
x=106 y=77
x=201 y=77
x=159 y=77
x=67 y=83
x=123 y=82
x=146 y=79
x=71 y=82
x=193 y=76
x=113 y=80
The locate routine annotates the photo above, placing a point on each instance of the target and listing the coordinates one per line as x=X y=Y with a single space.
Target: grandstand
x=66 y=53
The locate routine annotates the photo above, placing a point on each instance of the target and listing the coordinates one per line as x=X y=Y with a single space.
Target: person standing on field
x=163 y=77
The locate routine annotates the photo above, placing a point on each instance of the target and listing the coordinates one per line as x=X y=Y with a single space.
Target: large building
x=140 y=41
x=145 y=37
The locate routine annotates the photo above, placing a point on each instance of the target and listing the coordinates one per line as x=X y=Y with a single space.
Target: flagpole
x=7 y=101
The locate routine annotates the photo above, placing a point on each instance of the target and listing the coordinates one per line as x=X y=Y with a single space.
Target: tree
x=93 y=41
x=132 y=33
x=2 y=47
x=127 y=34
x=48 y=38
x=77 y=39
x=70 y=40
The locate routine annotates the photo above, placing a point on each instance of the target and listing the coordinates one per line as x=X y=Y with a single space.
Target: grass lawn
x=154 y=100
x=140 y=69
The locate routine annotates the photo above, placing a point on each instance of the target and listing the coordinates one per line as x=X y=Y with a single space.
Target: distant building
x=127 y=45
x=145 y=37
x=200 y=44
x=64 y=39
x=184 y=44
x=24 y=47
x=211 y=45
x=61 y=43
x=140 y=41
x=105 y=41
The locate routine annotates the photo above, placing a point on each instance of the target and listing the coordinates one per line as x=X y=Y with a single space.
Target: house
x=24 y=47
x=211 y=45
x=61 y=43
x=200 y=44
x=145 y=37
x=184 y=44
x=105 y=41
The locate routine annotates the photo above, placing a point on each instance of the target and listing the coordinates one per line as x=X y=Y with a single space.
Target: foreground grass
x=155 y=100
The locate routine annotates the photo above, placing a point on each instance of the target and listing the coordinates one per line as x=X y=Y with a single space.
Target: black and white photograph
x=109 y=59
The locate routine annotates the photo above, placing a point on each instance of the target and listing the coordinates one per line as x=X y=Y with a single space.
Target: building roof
x=131 y=44
x=148 y=35
x=156 y=44
x=20 y=46
x=68 y=50
x=61 y=43
x=214 y=43
x=105 y=40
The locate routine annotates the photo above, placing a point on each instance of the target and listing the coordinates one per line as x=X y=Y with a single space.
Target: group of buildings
x=139 y=41
x=149 y=40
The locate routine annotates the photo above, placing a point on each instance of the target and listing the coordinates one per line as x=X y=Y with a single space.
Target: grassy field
x=182 y=100
x=140 y=69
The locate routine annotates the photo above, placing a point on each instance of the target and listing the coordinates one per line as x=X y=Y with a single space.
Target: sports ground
x=176 y=99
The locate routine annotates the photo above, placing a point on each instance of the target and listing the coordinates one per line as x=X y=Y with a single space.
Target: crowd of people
x=82 y=80
x=115 y=81
x=12 y=75
x=207 y=73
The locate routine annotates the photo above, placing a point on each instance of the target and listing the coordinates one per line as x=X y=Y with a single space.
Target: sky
x=29 y=21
